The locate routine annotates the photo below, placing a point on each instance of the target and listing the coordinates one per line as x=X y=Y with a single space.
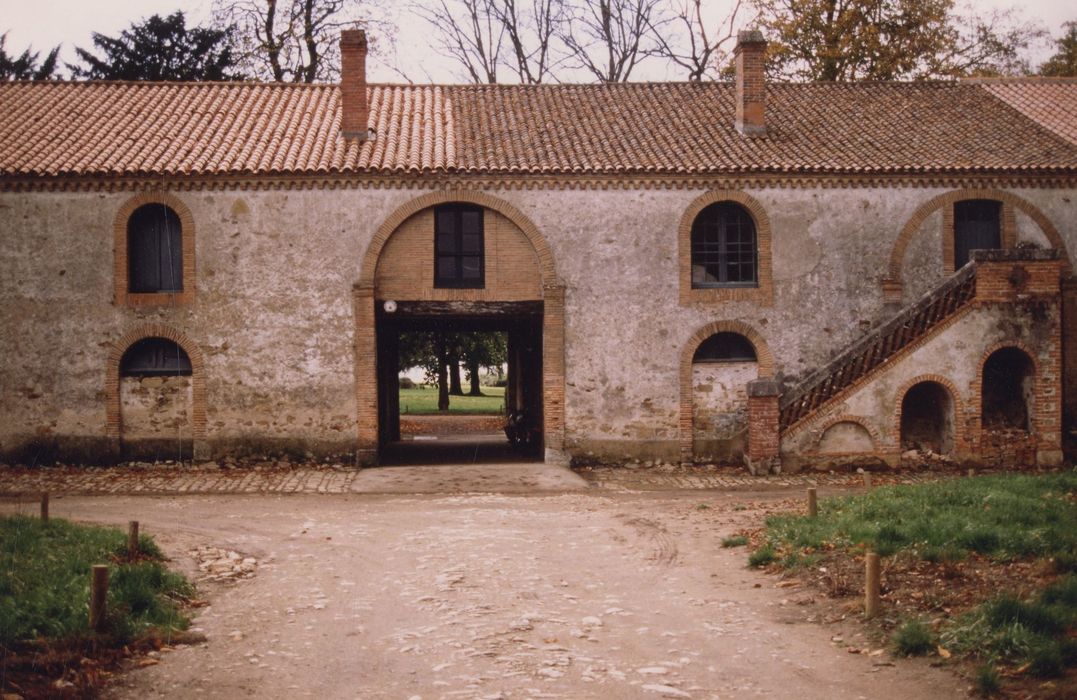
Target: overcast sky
x=46 y=23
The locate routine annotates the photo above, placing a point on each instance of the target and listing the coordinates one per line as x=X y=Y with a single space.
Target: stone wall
x=274 y=311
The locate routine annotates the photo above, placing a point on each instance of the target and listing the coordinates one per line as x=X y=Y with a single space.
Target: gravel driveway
x=579 y=595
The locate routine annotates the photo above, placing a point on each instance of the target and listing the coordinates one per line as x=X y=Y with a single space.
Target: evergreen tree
x=25 y=66
x=1064 y=62
x=160 y=48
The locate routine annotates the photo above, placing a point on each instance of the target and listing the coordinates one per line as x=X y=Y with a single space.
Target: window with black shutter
x=154 y=250
x=724 y=252
x=154 y=357
x=725 y=347
x=459 y=247
x=977 y=226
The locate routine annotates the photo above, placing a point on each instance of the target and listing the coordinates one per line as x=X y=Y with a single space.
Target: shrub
x=913 y=638
x=406 y=383
x=735 y=541
x=762 y=556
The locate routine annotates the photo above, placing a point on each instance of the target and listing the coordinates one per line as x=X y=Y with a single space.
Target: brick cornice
x=514 y=181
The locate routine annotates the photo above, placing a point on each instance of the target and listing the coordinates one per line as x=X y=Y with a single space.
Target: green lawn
x=425 y=401
x=45 y=582
x=987 y=522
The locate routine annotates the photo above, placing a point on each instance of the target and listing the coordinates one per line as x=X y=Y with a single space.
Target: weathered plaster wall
x=274 y=315
x=950 y=357
x=720 y=407
x=156 y=408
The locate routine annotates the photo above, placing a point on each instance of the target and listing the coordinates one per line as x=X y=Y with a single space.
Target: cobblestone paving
x=174 y=479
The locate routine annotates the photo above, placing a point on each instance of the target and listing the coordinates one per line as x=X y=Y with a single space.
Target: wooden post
x=44 y=507
x=972 y=473
x=867 y=480
x=98 y=596
x=132 y=539
x=813 y=505
x=871 y=585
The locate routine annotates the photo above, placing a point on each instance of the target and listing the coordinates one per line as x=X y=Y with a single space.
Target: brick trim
x=816 y=436
x=502 y=181
x=414 y=206
x=764 y=360
x=945 y=201
x=122 y=297
x=976 y=392
x=553 y=323
x=763 y=294
x=960 y=408
x=113 y=417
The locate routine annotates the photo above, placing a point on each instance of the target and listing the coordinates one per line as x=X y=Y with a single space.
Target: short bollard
x=813 y=505
x=972 y=473
x=132 y=539
x=871 y=585
x=98 y=596
x=44 y=507
x=867 y=480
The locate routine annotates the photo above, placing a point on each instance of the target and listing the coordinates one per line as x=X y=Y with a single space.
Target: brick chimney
x=751 y=83
x=353 y=100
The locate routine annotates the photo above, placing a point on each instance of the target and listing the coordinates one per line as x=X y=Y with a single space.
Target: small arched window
x=724 y=250
x=154 y=357
x=154 y=250
x=725 y=347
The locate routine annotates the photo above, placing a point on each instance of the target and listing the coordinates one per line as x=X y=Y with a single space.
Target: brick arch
x=976 y=400
x=119 y=252
x=959 y=407
x=113 y=418
x=942 y=201
x=830 y=422
x=414 y=206
x=764 y=292
x=553 y=322
x=763 y=357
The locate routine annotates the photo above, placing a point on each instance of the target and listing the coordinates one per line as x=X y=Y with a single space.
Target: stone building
x=685 y=271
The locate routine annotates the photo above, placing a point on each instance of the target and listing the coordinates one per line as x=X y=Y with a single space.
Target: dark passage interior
x=927 y=418
x=1007 y=390
x=445 y=437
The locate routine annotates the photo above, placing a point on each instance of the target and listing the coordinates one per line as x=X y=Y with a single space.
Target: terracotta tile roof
x=1050 y=101
x=57 y=129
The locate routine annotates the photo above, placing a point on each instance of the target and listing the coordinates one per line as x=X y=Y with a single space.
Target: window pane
x=446 y=268
x=472 y=267
x=143 y=270
x=447 y=243
x=170 y=245
x=154 y=356
x=471 y=221
x=472 y=243
x=446 y=221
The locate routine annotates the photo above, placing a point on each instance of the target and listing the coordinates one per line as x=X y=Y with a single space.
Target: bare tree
x=470 y=33
x=297 y=40
x=531 y=28
x=609 y=38
x=697 y=37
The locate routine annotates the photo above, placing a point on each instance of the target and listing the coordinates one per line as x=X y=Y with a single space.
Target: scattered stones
x=667 y=691
x=223 y=564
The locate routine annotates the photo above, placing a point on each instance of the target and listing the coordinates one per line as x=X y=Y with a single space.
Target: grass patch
x=913 y=638
x=735 y=541
x=45 y=582
x=423 y=400
x=1004 y=517
x=1033 y=632
x=762 y=556
x=986 y=681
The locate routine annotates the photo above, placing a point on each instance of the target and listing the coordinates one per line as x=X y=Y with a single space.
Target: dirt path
x=567 y=596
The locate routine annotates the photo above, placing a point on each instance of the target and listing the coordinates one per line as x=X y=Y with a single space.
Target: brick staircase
x=877 y=347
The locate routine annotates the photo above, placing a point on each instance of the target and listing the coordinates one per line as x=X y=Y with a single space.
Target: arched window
x=724 y=251
x=725 y=347
x=977 y=226
x=154 y=250
x=154 y=357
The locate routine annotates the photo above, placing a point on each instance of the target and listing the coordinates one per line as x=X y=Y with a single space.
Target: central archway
x=399 y=265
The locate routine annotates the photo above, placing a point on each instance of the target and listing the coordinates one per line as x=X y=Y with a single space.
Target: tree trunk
x=473 y=370
x=454 y=377
x=443 y=380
